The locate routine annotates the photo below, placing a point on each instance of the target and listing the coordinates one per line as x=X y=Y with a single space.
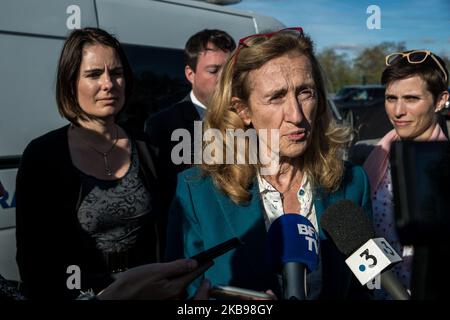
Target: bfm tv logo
x=310 y=236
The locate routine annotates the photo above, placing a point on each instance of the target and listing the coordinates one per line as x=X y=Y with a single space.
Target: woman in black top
x=86 y=202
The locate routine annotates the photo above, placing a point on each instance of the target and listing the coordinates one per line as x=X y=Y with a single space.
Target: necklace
x=286 y=191
x=277 y=190
x=105 y=155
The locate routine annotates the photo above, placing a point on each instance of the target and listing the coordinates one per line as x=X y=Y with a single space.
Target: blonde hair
x=322 y=160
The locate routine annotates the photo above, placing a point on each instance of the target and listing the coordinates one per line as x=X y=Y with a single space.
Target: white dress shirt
x=201 y=108
x=273 y=204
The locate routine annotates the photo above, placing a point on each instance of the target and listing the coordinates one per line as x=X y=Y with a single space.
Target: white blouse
x=273 y=204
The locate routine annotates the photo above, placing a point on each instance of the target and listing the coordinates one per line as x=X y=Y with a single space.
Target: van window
x=159 y=82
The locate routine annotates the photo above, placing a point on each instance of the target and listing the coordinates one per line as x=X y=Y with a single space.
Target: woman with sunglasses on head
x=416 y=90
x=86 y=206
x=271 y=83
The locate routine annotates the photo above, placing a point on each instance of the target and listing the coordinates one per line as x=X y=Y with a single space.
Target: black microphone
x=293 y=249
x=350 y=229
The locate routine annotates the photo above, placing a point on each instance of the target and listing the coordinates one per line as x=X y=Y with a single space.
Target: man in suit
x=205 y=54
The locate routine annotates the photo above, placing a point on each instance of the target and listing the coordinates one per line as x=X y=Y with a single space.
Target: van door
x=168 y=24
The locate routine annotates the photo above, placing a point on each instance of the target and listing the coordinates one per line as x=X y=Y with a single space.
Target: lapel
x=241 y=218
x=247 y=222
x=188 y=110
x=336 y=277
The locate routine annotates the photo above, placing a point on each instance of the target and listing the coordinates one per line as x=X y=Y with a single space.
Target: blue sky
x=421 y=24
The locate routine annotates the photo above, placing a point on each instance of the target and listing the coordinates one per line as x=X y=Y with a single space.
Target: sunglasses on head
x=414 y=57
x=244 y=42
x=294 y=30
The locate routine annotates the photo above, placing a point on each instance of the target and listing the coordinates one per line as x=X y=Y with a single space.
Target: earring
x=445 y=105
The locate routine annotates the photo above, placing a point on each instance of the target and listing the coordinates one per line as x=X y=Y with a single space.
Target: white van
x=31 y=36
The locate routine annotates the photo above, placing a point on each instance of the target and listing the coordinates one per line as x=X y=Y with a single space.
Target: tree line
x=365 y=68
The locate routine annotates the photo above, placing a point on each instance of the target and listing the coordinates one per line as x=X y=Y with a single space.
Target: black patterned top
x=112 y=213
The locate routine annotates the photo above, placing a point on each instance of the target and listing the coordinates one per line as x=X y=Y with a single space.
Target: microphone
x=293 y=248
x=353 y=233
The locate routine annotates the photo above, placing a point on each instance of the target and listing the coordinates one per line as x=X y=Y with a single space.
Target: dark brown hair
x=199 y=42
x=428 y=71
x=69 y=68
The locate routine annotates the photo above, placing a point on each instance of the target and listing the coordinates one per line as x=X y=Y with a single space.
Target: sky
x=342 y=24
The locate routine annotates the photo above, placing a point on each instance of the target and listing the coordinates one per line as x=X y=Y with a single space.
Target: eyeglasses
x=244 y=42
x=414 y=57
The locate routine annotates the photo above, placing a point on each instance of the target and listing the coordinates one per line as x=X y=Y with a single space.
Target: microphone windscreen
x=292 y=238
x=347 y=225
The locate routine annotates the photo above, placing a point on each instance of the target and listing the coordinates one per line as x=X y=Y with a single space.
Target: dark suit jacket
x=201 y=217
x=159 y=129
x=48 y=233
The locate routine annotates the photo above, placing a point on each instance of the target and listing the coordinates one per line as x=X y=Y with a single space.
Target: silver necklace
x=277 y=190
x=105 y=155
x=286 y=191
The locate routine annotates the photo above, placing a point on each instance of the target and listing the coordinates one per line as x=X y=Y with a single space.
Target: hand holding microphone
x=293 y=250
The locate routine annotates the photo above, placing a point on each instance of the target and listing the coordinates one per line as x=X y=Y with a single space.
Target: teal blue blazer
x=201 y=217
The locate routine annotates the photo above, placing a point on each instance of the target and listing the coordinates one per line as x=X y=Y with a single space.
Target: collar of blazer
x=188 y=109
x=241 y=218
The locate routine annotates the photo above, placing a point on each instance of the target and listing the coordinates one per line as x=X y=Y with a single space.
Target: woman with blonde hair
x=271 y=84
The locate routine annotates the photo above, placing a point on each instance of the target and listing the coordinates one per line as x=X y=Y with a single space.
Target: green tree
x=337 y=69
x=370 y=62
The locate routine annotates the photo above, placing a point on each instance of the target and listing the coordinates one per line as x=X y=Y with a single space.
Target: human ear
x=189 y=73
x=441 y=101
x=242 y=110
